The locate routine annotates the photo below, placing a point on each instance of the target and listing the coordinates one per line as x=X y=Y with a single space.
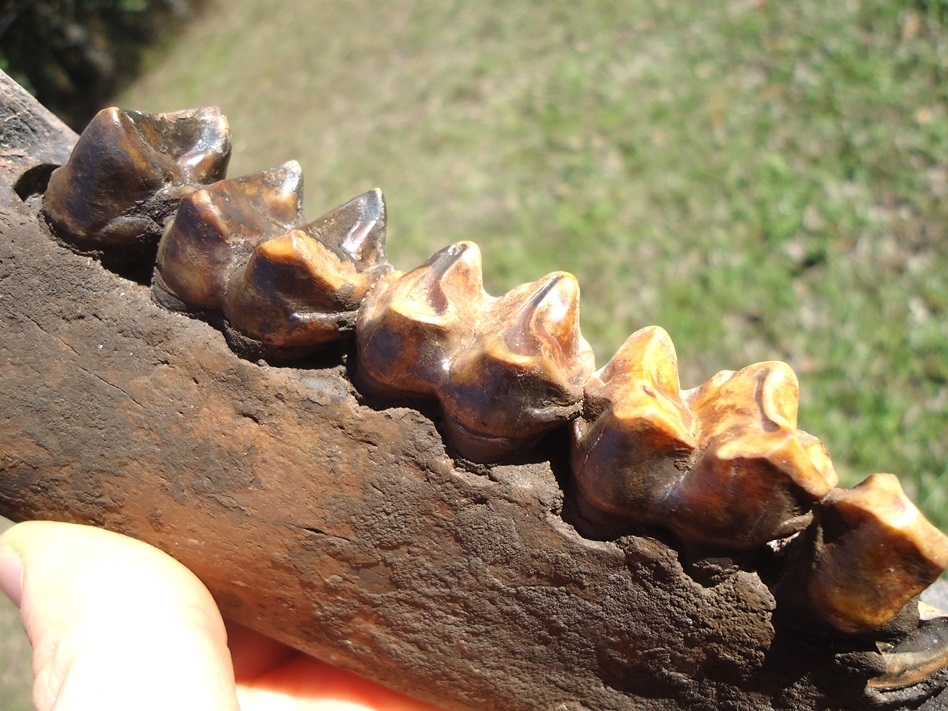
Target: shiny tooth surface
x=722 y=465
x=216 y=230
x=127 y=172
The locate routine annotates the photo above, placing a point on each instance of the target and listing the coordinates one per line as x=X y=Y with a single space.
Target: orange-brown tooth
x=630 y=448
x=127 y=172
x=304 y=288
x=216 y=230
x=522 y=374
x=411 y=324
x=874 y=553
x=722 y=466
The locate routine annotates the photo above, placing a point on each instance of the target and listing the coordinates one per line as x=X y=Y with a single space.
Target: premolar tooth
x=522 y=375
x=871 y=552
x=722 y=465
x=305 y=287
x=412 y=323
x=630 y=448
x=129 y=169
x=216 y=229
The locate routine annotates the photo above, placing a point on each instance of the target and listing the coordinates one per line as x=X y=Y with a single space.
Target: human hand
x=116 y=624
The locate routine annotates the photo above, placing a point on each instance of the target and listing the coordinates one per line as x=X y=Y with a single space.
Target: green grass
x=765 y=180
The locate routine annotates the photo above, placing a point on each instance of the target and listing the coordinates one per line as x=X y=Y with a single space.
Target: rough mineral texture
x=343 y=526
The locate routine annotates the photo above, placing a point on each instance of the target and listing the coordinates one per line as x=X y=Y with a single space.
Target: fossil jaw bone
x=722 y=465
x=127 y=172
x=504 y=370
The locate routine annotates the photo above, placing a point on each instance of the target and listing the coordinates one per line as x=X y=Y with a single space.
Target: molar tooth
x=754 y=478
x=522 y=374
x=722 y=465
x=871 y=552
x=216 y=229
x=411 y=323
x=129 y=169
x=304 y=287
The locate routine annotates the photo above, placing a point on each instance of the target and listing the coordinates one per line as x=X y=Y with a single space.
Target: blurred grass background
x=765 y=180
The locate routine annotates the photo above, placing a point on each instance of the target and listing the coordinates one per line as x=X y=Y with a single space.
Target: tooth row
x=240 y=248
x=504 y=370
x=722 y=466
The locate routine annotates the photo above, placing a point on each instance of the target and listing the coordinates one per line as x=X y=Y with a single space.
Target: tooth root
x=411 y=323
x=216 y=229
x=522 y=374
x=875 y=552
x=127 y=172
x=628 y=453
x=722 y=465
x=920 y=654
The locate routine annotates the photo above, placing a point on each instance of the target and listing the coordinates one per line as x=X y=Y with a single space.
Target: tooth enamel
x=875 y=552
x=721 y=465
x=504 y=370
x=304 y=287
x=216 y=229
x=127 y=172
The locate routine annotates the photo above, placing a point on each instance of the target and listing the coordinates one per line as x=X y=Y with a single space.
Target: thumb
x=114 y=623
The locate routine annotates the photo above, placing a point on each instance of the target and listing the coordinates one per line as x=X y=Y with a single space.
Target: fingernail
x=11 y=573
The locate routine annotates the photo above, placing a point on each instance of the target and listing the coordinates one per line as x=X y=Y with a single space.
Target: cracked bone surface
x=343 y=527
x=504 y=370
x=129 y=169
x=869 y=552
x=722 y=465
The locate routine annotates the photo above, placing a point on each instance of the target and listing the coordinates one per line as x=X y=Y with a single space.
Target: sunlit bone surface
x=505 y=370
x=722 y=465
x=129 y=169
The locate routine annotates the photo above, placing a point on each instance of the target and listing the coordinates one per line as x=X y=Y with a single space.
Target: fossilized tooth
x=873 y=551
x=756 y=477
x=522 y=375
x=305 y=287
x=722 y=465
x=129 y=169
x=216 y=230
x=411 y=324
x=636 y=437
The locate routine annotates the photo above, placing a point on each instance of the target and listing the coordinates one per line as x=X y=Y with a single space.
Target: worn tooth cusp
x=522 y=374
x=127 y=172
x=503 y=370
x=216 y=230
x=722 y=465
x=305 y=287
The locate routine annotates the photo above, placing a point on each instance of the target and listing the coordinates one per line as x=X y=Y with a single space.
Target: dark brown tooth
x=127 y=172
x=872 y=553
x=216 y=230
x=722 y=465
x=411 y=324
x=305 y=287
x=522 y=374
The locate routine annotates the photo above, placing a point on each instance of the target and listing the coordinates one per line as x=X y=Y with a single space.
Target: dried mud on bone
x=340 y=522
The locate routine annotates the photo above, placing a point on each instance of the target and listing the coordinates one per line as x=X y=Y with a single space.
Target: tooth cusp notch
x=722 y=466
x=127 y=172
x=504 y=370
